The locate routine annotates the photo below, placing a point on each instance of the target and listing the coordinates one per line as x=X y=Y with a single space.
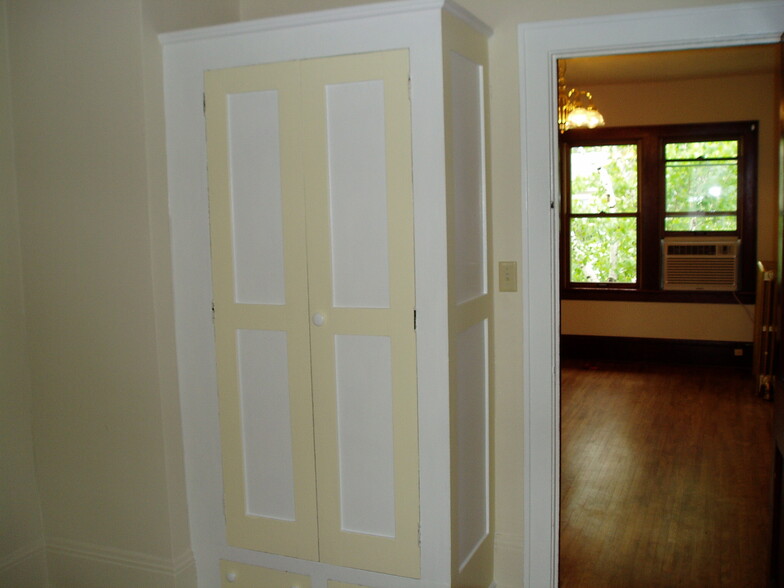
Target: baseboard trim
x=676 y=351
x=120 y=557
x=26 y=566
x=21 y=555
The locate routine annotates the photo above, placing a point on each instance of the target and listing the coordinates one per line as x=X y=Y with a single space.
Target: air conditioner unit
x=700 y=263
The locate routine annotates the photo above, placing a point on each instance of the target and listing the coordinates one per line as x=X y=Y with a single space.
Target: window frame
x=651 y=209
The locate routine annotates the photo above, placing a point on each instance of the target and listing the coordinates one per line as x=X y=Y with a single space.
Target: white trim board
x=324 y=17
x=104 y=554
x=22 y=554
x=540 y=46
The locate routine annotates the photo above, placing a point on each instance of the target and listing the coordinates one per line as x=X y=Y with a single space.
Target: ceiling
x=671 y=65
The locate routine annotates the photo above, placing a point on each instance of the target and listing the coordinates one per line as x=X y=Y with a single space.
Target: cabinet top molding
x=325 y=16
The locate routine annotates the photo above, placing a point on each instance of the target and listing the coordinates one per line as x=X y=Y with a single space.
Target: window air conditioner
x=700 y=263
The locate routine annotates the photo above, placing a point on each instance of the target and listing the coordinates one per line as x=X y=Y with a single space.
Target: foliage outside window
x=603 y=219
x=625 y=189
x=701 y=180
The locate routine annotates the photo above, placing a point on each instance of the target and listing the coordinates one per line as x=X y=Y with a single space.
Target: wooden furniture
x=764 y=329
x=777 y=494
x=335 y=361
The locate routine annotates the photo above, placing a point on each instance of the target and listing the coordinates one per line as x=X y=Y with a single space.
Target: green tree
x=603 y=228
x=701 y=194
x=701 y=191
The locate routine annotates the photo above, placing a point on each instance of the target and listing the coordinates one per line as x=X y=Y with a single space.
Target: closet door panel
x=358 y=194
x=365 y=440
x=261 y=309
x=360 y=255
x=257 y=212
x=266 y=424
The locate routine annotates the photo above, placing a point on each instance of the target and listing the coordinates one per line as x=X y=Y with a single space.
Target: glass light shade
x=582 y=117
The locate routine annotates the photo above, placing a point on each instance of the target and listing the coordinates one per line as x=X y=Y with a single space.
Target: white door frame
x=540 y=46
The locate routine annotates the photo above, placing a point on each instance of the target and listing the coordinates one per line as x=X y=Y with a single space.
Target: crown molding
x=324 y=17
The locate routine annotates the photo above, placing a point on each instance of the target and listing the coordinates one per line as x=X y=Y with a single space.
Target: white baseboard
x=508 y=561
x=99 y=566
x=25 y=567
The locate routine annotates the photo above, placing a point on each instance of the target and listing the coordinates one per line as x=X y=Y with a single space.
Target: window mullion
x=651 y=211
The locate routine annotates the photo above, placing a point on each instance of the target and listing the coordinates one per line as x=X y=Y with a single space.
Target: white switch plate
x=507 y=276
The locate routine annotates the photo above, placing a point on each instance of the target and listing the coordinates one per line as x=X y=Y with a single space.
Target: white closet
x=332 y=290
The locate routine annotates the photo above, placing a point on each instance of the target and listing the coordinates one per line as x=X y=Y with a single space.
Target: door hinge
x=415 y=319
x=204 y=103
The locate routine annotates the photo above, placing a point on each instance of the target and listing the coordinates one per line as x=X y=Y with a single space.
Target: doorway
x=541 y=45
x=635 y=490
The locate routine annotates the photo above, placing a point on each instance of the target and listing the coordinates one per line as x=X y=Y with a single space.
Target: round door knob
x=231 y=577
x=318 y=319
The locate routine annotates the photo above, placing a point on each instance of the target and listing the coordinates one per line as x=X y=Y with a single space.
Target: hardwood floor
x=665 y=477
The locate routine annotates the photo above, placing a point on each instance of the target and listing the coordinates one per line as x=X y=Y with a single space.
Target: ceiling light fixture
x=575 y=107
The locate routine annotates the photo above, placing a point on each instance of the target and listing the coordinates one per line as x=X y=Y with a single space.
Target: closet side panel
x=260 y=308
x=470 y=302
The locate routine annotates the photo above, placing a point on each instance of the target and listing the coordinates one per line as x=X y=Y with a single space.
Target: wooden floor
x=665 y=477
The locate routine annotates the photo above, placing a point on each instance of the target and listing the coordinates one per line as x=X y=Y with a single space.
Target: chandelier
x=575 y=107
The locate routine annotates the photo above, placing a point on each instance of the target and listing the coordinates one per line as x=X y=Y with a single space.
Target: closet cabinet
x=311 y=215
x=331 y=259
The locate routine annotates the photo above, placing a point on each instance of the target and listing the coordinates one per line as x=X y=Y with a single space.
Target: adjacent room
x=668 y=206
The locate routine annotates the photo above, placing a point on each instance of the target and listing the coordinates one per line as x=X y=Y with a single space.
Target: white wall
x=22 y=560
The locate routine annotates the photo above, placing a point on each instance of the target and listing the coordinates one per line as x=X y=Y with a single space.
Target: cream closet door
x=312 y=234
x=361 y=278
x=259 y=274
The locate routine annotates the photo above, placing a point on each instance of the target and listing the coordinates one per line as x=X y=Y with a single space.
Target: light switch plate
x=507 y=276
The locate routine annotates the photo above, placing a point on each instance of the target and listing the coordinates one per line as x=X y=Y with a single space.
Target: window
x=627 y=189
x=701 y=186
x=603 y=214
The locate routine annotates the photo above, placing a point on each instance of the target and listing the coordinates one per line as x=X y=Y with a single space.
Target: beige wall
x=88 y=124
x=87 y=120
x=21 y=530
x=732 y=98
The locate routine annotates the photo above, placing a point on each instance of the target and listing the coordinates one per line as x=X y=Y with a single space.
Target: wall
x=731 y=98
x=87 y=119
x=22 y=561
x=85 y=80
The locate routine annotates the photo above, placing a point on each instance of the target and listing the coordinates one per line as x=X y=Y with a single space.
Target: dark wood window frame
x=650 y=141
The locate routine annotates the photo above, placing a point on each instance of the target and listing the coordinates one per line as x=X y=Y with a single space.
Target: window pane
x=701 y=149
x=604 y=179
x=701 y=223
x=701 y=186
x=604 y=250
